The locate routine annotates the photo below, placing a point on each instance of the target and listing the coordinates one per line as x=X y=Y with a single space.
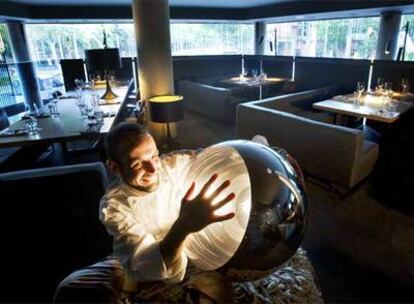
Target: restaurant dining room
x=273 y=140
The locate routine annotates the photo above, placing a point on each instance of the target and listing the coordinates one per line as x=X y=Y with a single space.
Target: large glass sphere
x=270 y=210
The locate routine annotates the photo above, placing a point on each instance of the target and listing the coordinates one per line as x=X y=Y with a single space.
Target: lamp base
x=169 y=144
x=109 y=94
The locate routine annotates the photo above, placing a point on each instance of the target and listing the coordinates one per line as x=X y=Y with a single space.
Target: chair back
x=72 y=69
x=51 y=228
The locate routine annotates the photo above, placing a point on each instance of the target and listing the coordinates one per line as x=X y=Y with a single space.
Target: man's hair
x=122 y=139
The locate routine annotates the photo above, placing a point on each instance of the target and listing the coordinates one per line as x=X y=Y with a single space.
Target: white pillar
x=152 y=32
x=155 y=69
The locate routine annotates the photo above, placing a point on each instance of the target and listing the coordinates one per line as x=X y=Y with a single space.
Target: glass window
x=69 y=41
x=343 y=38
x=10 y=87
x=212 y=38
x=409 y=42
x=49 y=43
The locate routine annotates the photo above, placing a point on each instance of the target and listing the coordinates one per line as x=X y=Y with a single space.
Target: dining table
x=69 y=124
x=249 y=81
x=370 y=106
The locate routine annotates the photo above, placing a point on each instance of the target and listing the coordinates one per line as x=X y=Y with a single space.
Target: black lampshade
x=103 y=59
x=166 y=108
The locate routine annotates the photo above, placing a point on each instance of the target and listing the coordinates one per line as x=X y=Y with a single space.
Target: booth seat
x=50 y=228
x=213 y=102
x=331 y=153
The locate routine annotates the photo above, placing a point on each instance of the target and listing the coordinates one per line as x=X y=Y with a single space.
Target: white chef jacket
x=138 y=221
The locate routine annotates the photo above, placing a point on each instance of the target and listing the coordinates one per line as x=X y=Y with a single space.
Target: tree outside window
x=342 y=38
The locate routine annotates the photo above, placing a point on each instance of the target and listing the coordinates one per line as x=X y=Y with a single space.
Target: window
x=49 y=43
x=52 y=42
x=342 y=38
x=212 y=38
x=409 y=44
x=10 y=88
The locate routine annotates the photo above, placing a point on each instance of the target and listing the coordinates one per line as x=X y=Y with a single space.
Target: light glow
x=213 y=246
x=166 y=98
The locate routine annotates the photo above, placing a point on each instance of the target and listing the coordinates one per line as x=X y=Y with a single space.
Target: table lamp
x=166 y=109
x=104 y=60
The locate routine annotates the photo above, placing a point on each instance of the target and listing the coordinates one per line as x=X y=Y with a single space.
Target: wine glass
x=360 y=89
x=405 y=85
x=78 y=83
x=360 y=86
x=388 y=86
x=254 y=73
x=380 y=85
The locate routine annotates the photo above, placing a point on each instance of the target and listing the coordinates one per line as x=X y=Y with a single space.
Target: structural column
x=25 y=66
x=155 y=70
x=387 y=45
x=260 y=32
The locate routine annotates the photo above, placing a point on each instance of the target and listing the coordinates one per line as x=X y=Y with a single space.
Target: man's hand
x=195 y=214
x=198 y=212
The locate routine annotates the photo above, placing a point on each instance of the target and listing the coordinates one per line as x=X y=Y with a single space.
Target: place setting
x=13 y=132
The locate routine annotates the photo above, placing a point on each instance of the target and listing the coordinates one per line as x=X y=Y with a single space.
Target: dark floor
x=361 y=244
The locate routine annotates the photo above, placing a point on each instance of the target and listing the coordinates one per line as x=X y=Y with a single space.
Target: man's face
x=140 y=167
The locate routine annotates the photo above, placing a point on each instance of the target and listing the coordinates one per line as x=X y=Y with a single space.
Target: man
x=145 y=214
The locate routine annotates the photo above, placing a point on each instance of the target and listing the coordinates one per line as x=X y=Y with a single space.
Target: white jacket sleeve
x=137 y=250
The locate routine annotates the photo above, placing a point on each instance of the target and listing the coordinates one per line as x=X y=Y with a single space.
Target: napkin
x=41 y=115
x=105 y=103
x=92 y=128
x=17 y=132
x=343 y=98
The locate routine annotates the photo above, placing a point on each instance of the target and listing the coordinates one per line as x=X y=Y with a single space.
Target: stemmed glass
x=405 y=84
x=388 y=87
x=54 y=98
x=31 y=120
x=80 y=102
x=387 y=97
x=380 y=85
x=79 y=87
x=360 y=89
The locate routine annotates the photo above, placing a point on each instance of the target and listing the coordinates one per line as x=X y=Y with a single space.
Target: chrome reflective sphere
x=270 y=208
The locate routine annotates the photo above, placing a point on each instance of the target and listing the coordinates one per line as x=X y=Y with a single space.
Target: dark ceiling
x=241 y=10
x=191 y=3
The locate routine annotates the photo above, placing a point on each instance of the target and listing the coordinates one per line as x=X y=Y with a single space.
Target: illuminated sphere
x=270 y=210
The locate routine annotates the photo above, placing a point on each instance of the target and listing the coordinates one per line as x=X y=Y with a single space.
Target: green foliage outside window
x=409 y=49
x=342 y=38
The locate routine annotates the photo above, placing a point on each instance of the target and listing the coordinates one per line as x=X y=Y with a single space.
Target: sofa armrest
x=297 y=102
x=365 y=162
x=210 y=101
x=326 y=151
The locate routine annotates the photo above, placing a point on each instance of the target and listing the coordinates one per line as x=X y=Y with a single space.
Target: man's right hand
x=198 y=212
